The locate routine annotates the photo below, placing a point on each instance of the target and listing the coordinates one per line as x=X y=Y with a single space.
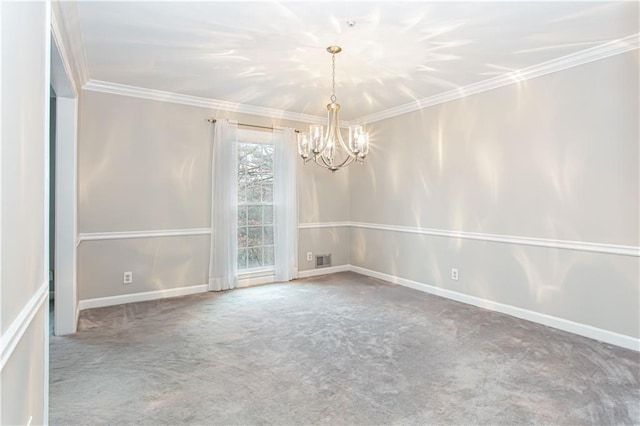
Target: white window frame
x=260 y=137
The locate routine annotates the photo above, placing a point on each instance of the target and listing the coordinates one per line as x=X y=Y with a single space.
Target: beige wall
x=555 y=157
x=159 y=263
x=24 y=84
x=23 y=377
x=332 y=240
x=145 y=165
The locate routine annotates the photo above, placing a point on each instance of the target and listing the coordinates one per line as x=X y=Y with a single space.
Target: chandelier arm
x=321 y=163
x=345 y=163
x=325 y=163
x=345 y=147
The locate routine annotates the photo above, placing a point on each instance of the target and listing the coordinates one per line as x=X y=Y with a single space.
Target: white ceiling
x=272 y=54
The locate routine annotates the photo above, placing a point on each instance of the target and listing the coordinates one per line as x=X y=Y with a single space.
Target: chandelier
x=329 y=150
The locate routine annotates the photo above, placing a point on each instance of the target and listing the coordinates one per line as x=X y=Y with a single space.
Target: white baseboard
x=323 y=271
x=610 y=337
x=140 y=297
x=585 y=330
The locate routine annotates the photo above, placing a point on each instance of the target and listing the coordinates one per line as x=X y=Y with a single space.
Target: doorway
x=63 y=195
x=52 y=209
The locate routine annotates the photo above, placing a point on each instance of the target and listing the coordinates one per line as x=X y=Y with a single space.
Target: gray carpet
x=338 y=349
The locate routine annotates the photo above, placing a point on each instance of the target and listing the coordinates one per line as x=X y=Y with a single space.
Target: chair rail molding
x=315 y=225
x=620 y=250
x=615 y=249
x=96 y=236
x=12 y=336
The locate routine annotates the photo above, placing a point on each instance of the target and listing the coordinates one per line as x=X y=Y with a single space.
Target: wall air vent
x=323 y=260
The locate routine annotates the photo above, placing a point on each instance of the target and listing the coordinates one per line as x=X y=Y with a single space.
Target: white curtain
x=223 y=266
x=285 y=200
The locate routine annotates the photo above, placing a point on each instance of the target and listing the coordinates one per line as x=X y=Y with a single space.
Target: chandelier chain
x=333 y=76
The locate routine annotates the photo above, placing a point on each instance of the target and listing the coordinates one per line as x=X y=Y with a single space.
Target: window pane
x=255 y=215
x=268 y=235
x=255 y=236
x=267 y=193
x=255 y=257
x=269 y=256
x=242 y=194
x=253 y=192
x=267 y=152
x=242 y=236
x=268 y=215
x=266 y=174
x=242 y=258
x=242 y=215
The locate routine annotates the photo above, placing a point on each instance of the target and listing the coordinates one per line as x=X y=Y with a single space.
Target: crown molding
x=602 y=51
x=58 y=38
x=65 y=28
x=159 y=95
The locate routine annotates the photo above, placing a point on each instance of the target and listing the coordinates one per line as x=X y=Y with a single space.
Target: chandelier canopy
x=329 y=150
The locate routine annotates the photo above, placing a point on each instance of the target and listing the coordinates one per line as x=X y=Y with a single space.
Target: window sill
x=255 y=273
x=248 y=280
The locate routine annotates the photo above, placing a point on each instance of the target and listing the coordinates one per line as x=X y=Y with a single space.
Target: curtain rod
x=213 y=121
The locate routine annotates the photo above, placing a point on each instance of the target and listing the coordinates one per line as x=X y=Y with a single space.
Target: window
x=255 y=202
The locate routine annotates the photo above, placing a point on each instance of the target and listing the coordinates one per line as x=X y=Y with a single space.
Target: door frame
x=66 y=173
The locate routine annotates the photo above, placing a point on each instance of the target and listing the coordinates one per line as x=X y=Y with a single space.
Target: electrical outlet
x=454 y=274
x=128 y=277
x=309 y=256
